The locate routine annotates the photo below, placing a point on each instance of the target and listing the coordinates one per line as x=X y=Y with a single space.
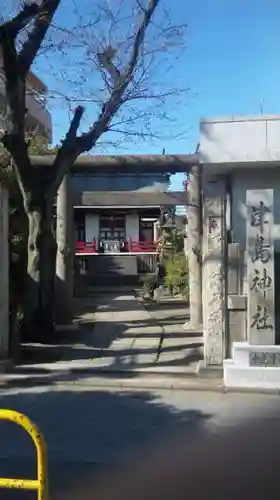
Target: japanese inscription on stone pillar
x=260 y=267
x=214 y=280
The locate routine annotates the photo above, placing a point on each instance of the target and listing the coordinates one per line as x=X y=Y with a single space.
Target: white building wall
x=91 y=227
x=4 y=275
x=240 y=139
x=132 y=226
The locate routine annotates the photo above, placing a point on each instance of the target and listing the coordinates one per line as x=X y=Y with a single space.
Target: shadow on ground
x=87 y=432
x=112 y=302
x=155 y=339
x=178 y=304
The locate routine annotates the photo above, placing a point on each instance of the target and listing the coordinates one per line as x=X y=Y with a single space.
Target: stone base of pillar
x=158 y=294
x=253 y=366
x=209 y=371
x=190 y=327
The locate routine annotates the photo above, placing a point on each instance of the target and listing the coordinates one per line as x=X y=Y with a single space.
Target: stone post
x=260 y=267
x=65 y=251
x=194 y=247
x=4 y=276
x=256 y=363
x=214 y=274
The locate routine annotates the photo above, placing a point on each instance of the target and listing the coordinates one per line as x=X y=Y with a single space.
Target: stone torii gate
x=170 y=164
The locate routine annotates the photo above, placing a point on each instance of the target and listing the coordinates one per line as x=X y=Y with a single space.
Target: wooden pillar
x=156 y=231
x=65 y=254
x=194 y=247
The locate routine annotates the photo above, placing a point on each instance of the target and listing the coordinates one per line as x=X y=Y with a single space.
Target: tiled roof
x=130 y=198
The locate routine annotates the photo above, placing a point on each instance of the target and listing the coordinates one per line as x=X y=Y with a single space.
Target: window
x=112 y=227
x=80 y=233
x=146 y=231
x=81 y=266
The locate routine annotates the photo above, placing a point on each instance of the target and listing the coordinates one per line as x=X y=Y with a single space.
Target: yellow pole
x=41 y=483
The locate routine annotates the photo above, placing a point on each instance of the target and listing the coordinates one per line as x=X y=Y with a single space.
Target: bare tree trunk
x=36 y=18
x=39 y=320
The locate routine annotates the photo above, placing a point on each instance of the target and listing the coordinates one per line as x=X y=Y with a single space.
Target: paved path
x=123 y=331
x=89 y=430
x=120 y=333
x=181 y=350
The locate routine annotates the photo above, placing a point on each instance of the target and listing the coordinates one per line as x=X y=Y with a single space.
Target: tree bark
x=39 y=311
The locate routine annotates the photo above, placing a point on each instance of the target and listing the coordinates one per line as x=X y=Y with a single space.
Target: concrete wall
x=240 y=139
x=91 y=227
x=132 y=226
x=4 y=275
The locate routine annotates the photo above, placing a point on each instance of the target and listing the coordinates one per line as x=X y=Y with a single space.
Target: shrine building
x=113 y=205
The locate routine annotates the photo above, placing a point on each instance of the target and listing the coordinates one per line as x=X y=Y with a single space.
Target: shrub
x=148 y=282
x=177 y=274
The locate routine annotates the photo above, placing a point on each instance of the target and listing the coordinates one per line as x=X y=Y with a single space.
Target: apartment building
x=38 y=118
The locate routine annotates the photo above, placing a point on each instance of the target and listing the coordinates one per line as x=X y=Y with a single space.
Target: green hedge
x=177 y=274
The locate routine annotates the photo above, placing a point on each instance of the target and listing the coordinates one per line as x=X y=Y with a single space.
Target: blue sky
x=232 y=66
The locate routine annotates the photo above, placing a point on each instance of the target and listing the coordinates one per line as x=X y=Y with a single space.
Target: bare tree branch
x=43 y=19
x=13 y=139
x=139 y=38
x=18 y=148
x=124 y=63
x=13 y=27
x=15 y=84
x=106 y=61
x=135 y=133
x=125 y=78
x=122 y=80
x=16 y=68
x=67 y=153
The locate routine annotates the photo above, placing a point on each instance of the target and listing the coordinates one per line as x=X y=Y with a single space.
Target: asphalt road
x=88 y=430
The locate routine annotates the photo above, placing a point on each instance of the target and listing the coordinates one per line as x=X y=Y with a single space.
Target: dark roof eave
x=130 y=198
x=165 y=163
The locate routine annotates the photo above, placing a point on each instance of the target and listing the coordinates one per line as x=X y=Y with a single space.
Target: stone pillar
x=4 y=276
x=194 y=247
x=256 y=363
x=65 y=253
x=260 y=267
x=214 y=274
